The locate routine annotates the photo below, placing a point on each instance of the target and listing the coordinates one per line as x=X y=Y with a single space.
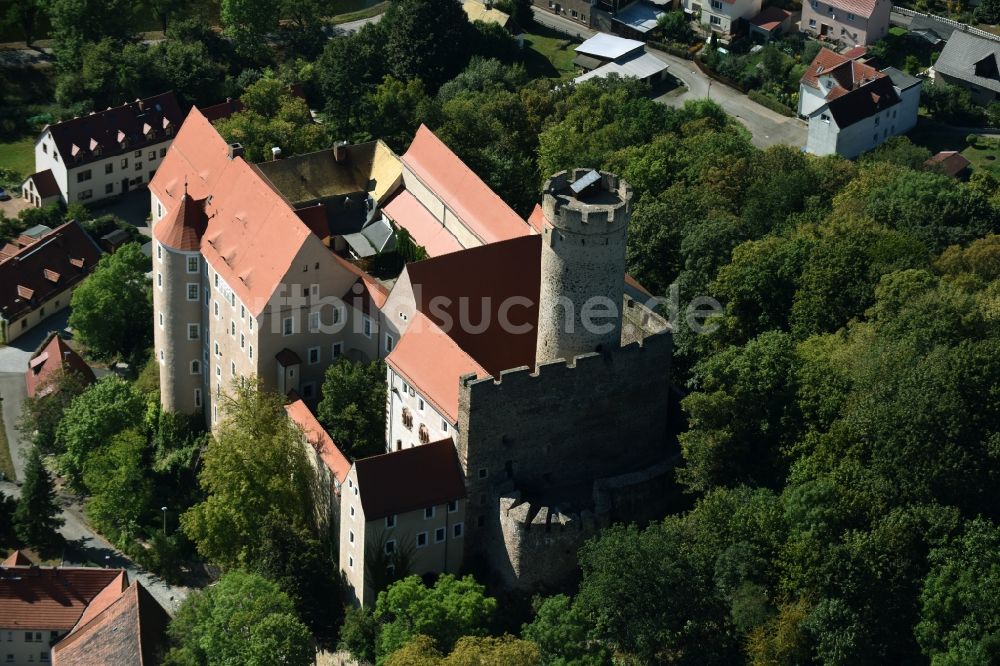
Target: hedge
x=771 y=103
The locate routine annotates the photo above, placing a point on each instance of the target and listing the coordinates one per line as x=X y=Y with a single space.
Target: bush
x=771 y=103
x=951 y=104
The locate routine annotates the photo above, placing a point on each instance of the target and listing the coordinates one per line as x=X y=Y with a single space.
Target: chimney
x=340 y=151
x=275 y=153
x=235 y=150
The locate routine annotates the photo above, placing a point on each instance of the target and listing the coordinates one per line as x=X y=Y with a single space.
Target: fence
x=964 y=27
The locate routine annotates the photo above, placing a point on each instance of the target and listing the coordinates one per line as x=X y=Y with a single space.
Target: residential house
x=76 y=616
x=583 y=12
x=53 y=359
x=327 y=461
x=38 y=272
x=603 y=55
x=853 y=107
x=723 y=17
x=972 y=63
x=405 y=508
x=105 y=153
x=852 y=22
x=485 y=11
x=637 y=20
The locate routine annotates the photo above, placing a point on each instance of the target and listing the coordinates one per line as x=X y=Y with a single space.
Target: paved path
x=766 y=127
x=86 y=547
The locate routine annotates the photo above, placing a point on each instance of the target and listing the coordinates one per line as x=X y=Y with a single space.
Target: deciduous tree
x=353 y=406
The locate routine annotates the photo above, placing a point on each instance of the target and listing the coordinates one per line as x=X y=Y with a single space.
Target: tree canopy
x=353 y=406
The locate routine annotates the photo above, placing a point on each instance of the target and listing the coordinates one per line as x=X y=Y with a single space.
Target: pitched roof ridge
x=121 y=580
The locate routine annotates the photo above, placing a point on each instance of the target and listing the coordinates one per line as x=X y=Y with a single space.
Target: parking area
x=14 y=206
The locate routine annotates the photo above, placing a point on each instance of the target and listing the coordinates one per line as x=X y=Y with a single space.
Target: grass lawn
x=18 y=156
x=984 y=156
x=548 y=54
x=6 y=464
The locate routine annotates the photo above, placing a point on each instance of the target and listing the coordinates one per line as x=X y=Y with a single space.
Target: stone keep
x=583 y=263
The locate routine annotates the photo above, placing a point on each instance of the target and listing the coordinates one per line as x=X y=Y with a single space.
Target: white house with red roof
x=852 y=22
x=853 y=107
x=103 y=154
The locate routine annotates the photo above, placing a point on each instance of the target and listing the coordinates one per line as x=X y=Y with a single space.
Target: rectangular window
x=138 y=153
x=197 y=397
x=421 y=539
x=286 y=326
x=109 y=167
x=159 y=279
x=390 y=546
x=232 y=328
x=812 y=23
x=192 y=264
x=352 y=512
x=715 y=20
x=243 y=311
x=218 y=352
x=216 y=304
x=206 y=296
x=152 y=154
x=367 y=326
x=453 y=506
x=456 y=531
x=109 y=188
x=138 y=166
x=439 y=535
x=313 y=355
x=194 y=331
x=82 y=176
x=251 y=324
x=338 y=350
x=218 y=371
x=389 y=342
x=159 y=251
x=420 y=404
x=429 y=512
x=716 y=4
x=850 y=17
x=444 y=426
x=216 y=280
x=124 y=162
x=163 y=152
x=196 y=367
x=251 y=352
x=350 y=561
x=86 y=194
x=350 y=536
x=313 y=322
x=192 y=294
x=390 y=521
x=243 y=341
x=232 y=368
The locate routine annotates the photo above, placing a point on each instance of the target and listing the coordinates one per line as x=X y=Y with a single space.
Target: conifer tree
x=36 y=519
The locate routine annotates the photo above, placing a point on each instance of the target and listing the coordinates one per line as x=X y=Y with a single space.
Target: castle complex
x=519 y=352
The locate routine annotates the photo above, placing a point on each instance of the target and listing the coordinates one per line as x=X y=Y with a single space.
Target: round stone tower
x=178 y=328
x=583 y=263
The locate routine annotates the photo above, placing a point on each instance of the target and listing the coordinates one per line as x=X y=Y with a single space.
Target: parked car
x=4 y=195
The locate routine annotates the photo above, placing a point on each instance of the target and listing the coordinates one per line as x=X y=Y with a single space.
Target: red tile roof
x=183 y=227
x=45 y=183
x=431 y=361
x=476 y=286
x=320 y=439
x=860 y=7
x=53 y=357
x=848 y=73
x=17 y=559
x=409 y=480
x=771 y=17
x=66 y=250
x=537 y=218
x=141 y=123
x=130 y=630
x=422 y=226
x=104 y=598
x=479 y=208
x=48 y=598
x=951 y=162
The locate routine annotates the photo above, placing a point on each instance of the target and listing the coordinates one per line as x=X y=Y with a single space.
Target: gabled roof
x=770 y=18
x=32 y=270
x=431 y=361
x=319 y=438
x=951 y=162
x=409 y=480
x=99 y=135
x=640 y=16
x=478 y=11
x=473 y=286
x=608 y=47
x=17 y=559
x=312 y=177
x=45 y=184
x=480 y=209
x=863 y=102
x=53 y=357
x=971 y=59
x=425 y=229
x=129 y=629
x=847 y=73
x=104 y=598
x=640 y=66
x=50 y=598
x=183 y=227
x=860 y=7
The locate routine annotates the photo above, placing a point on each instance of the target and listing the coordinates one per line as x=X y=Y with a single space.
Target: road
x=86 y=547
x=766 y=127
